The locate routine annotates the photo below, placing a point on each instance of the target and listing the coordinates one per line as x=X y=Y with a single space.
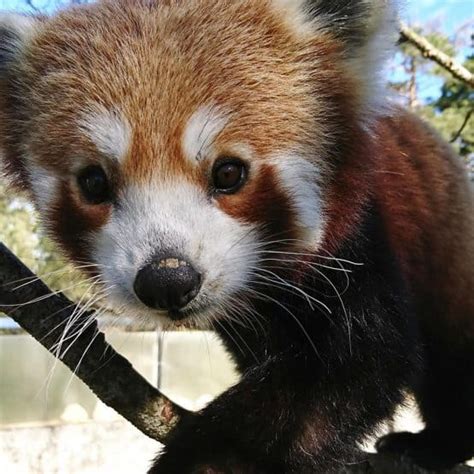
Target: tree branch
x=429 y=51
x=110 y=376
x=463 y=126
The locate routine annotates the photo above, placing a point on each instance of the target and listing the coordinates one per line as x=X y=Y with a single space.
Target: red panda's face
x=179 y=147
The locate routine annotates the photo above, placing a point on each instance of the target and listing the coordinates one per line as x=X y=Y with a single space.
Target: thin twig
x=463 y=126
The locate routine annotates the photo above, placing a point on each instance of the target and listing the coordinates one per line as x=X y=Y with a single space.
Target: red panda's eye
x=94 y=185
x=228 y=175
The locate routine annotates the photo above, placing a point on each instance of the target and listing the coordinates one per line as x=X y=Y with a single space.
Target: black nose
x=168 y=284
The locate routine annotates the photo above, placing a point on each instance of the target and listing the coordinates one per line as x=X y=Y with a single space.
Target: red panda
x=237 y=165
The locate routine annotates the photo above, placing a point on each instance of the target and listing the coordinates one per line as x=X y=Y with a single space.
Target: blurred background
x=52 y=423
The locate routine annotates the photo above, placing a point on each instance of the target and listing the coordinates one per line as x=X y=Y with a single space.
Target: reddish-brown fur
x=278 y=86
x=287 y=89
x=274 y=90
x=427 y=205
x=75 y=232
x=427 y=202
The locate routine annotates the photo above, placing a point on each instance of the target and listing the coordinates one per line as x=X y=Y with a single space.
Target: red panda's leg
x=303 y=408
x=284 y=417
x=446 y=400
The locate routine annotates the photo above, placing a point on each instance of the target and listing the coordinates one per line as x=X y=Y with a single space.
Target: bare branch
x=429 y=51
x=463 y=126
x=109 y=375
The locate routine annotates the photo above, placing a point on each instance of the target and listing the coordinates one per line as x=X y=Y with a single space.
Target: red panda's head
x=182 y=145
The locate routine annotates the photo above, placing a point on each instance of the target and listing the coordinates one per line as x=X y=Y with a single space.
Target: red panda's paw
x=427 y=449
x=193 y=452
x=170 y=464
x=226 y=468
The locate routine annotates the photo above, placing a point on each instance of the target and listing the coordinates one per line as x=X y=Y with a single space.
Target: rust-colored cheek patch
x=262 y=201
x=72 y=222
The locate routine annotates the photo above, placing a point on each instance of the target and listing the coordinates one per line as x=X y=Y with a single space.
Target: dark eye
x=228 y=175
x=94 y=184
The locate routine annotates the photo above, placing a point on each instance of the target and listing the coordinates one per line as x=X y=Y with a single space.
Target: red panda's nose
x=167 y=284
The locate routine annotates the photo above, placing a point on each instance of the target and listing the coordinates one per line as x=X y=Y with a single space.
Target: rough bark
x=110 y=376
x=429 y=51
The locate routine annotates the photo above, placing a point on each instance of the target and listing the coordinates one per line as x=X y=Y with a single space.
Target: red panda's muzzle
x=167 y=284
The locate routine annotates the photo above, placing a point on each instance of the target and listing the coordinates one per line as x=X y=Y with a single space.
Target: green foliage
x=456 y=105
x=450 y=112
x=20 y=231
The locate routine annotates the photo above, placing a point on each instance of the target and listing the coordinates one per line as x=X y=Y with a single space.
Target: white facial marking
x=299 y=178
x=44 y=185
x=177 y=218
x=201 y=130
x=109 y=130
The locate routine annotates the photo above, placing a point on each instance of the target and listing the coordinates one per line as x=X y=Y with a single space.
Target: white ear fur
x=296 y=15
x=15 y=31
x=367 y=61
x=367 y=28
x=22 y=25
x=354 y=21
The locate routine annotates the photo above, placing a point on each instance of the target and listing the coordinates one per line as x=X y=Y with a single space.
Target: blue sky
x=446 y=14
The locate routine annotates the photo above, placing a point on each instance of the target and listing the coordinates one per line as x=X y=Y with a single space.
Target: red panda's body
x=233 y=163
x=426 y=203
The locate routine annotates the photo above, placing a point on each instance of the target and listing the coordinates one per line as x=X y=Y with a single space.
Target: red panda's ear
x=16 y=31
x=352 y=21
x=366 y=29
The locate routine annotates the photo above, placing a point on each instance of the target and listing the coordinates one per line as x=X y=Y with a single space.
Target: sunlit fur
x=151 y=128
x=343 y=260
